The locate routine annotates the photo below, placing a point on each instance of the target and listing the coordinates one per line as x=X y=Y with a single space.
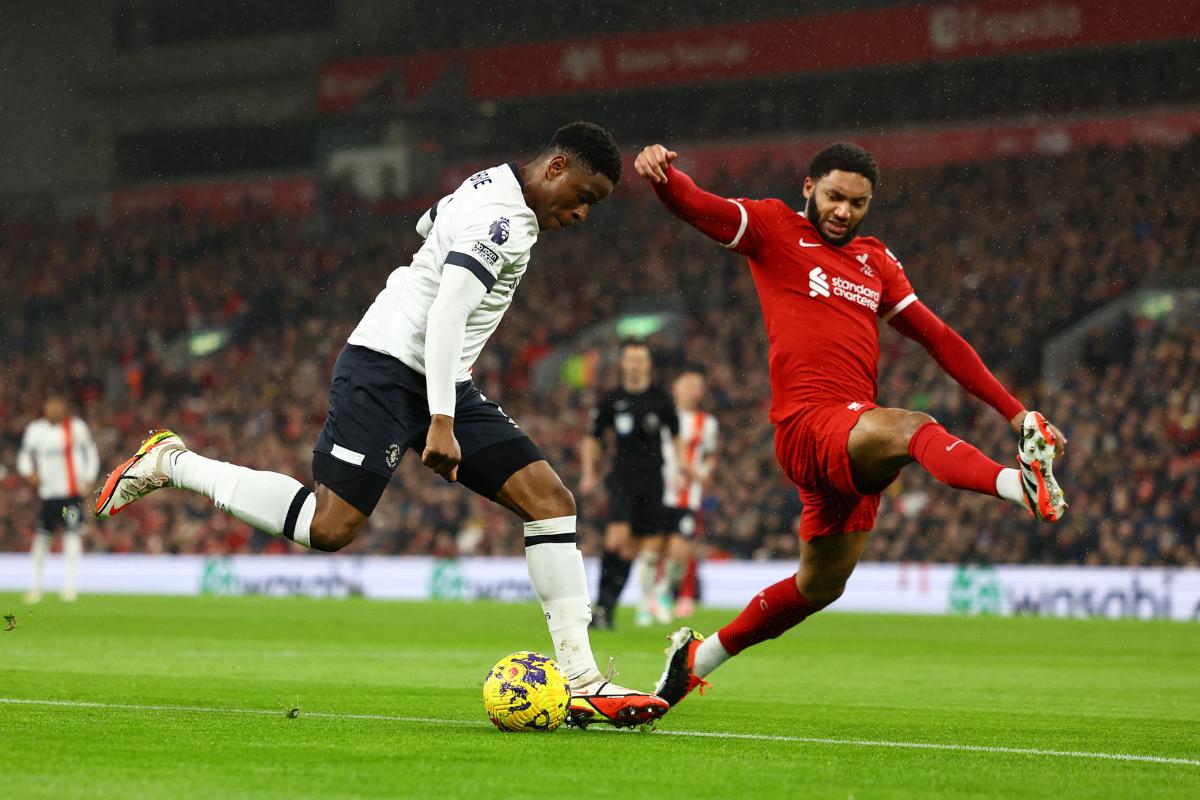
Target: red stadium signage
x=823 y=43
x=222 y=200
x=805 y=45
x=929 y=147
x=915 y=148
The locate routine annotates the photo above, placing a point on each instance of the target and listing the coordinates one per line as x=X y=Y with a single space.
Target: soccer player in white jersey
x=59 y=458
x=403 y=382
x=691 y=467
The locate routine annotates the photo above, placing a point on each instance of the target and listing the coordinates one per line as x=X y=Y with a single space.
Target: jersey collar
x=516 y=174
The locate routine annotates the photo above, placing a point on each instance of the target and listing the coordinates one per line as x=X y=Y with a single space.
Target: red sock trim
x=773 y=611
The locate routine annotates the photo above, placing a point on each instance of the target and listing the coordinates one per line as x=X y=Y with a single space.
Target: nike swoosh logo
x=809 y=244
x=956 y=444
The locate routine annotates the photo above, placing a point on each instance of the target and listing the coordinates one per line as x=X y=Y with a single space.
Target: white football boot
x=140 y=475
x=1035 y=458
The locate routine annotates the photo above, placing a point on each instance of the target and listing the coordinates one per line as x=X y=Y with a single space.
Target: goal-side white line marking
x=757 y=737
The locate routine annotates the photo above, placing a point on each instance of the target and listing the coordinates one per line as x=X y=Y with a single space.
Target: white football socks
x=672 y=575
x=37 y=554
x=647 y=562
x=261 y=499
x=1008 y=486
x=556 y=572
x=709 y=655
x=72 y=551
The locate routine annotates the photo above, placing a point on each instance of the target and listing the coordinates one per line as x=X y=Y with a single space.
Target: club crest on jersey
x=392 y=457
x=499 y=230
x=866 y=268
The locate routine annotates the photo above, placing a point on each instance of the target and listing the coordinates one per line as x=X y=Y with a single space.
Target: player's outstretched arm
x=960 y=361
x=714 y=216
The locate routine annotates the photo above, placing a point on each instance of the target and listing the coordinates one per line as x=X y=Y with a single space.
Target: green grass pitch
x=187 y=698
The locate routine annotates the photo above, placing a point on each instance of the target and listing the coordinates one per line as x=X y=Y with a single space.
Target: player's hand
x=1060 y=441
x=653 y=161
x=442 y=453
x=35 y=481
x=588 y=484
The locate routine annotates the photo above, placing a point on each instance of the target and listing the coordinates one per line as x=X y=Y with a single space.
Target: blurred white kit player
x=688 y=470
x=59 y=458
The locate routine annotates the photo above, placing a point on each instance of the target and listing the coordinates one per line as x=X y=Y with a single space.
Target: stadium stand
x=1010 y=252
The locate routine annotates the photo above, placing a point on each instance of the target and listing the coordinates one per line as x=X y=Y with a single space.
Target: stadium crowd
x=1009 y=252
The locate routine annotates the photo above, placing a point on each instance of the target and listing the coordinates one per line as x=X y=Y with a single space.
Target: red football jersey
x=820 y=303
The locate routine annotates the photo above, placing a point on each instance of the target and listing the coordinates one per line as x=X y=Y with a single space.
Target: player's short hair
x=846 y=156
x=642 y=343
x=592 y=145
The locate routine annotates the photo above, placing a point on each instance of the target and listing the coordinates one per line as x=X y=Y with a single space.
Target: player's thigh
x=681 y=549
x=653 y=543
x=346 y=497
x=878 y=443
x=827 y=562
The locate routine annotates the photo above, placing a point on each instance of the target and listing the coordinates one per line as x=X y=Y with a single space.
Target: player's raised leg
x=537 y=495
x=269 y=501
x=886 y=439
x=826 y=563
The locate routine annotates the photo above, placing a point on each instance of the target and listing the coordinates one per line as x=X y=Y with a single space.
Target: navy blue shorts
x=378 y=410
x=62 y=512
x=638 y=501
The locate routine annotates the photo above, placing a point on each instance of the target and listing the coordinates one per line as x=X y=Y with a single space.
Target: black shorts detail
x=61 y=512
x=378 y=410
x=640 y=504
x=686 y=523
x=357 y=487
x=486 y=471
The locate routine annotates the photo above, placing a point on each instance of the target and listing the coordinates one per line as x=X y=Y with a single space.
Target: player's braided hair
x=592 y=145
x=846 y=156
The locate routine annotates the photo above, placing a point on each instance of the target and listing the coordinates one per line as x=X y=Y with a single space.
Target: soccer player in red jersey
x=822 y=289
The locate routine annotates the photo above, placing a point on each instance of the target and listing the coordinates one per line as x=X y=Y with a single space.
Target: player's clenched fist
x=653 y=161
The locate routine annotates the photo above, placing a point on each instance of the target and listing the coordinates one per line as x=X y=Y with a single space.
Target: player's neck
x=635 y=388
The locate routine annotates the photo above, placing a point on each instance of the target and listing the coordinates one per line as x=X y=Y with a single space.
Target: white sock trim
x=1008 y=486
x=710 y=655
x=541 y=527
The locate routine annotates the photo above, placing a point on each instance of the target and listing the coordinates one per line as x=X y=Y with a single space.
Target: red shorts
x=811 y=448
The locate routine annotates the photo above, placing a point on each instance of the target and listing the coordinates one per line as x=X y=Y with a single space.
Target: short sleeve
x=602 y=417
x=711 y=429
x=492 y=237
x=758 y=217
x=897 y=293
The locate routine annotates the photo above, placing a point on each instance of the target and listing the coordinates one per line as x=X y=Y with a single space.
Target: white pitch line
x=757 y=737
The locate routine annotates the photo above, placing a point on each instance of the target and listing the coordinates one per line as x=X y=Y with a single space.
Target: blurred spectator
x=1009 y=252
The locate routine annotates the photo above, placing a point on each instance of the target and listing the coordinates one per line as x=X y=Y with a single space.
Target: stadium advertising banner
x=848 y=40
x=1153 y=593
x=820 y=43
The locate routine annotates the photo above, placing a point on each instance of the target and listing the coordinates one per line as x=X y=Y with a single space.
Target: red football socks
x=773 y=611
x=953 y=461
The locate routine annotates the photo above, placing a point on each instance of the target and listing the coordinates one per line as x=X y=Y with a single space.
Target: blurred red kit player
x=822 y=290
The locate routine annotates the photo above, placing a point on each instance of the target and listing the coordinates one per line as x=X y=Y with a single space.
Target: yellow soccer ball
x=526 y=692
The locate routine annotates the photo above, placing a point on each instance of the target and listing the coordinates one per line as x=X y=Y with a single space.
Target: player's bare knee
x=330 y=535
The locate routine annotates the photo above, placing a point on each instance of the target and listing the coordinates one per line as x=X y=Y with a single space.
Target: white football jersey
x=62 y=455
x=698 y=438
x=485 y=227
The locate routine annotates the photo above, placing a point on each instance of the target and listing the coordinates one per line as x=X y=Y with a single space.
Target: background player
x=403 y=382
x=691 y=469
x=59 y=458
x=642 y=418
x=822 y=289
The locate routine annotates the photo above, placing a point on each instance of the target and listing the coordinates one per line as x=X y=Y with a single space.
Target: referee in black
x=642 y=418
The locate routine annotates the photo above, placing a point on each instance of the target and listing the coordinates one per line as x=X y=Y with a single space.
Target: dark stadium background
x=199 y=199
